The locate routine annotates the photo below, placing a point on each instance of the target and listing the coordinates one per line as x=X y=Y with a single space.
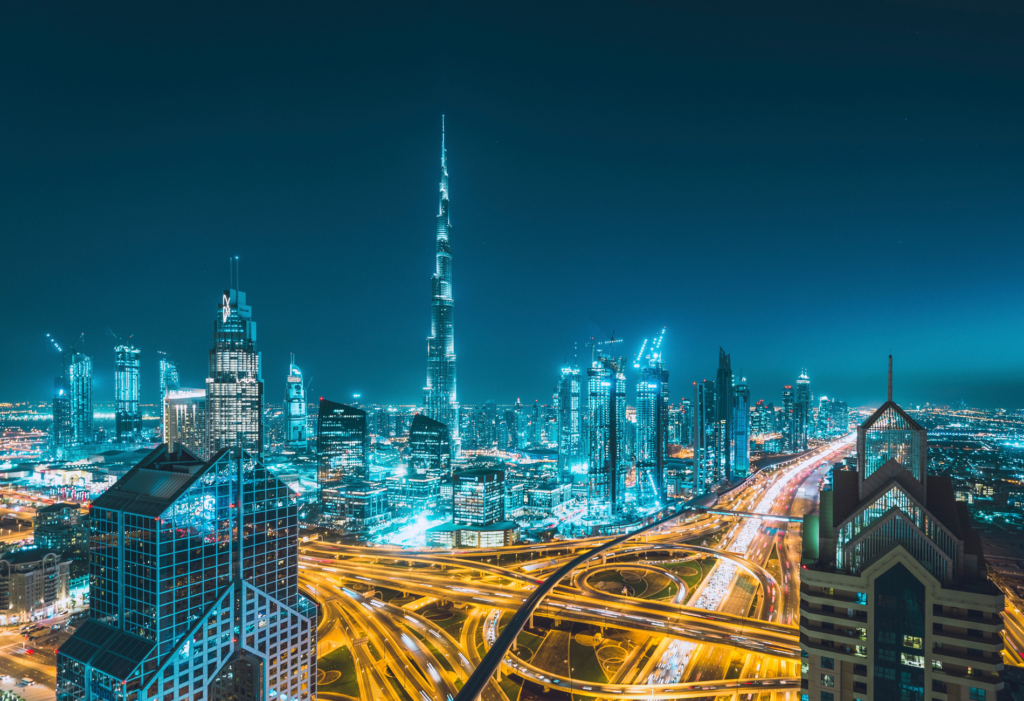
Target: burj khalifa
x=439 y=399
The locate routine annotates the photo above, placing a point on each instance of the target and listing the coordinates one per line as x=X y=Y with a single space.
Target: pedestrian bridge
x=763 y=517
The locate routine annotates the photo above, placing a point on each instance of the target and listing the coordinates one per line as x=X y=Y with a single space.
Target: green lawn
x=340 y=660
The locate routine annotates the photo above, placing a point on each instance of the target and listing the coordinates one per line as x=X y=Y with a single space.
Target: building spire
x=444 y=153
x=890 y=377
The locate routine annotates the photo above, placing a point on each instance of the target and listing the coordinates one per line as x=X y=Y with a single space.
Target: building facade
x=606 y=415
x=651 y=428
x=439 y=397
x=343 y=444
x=724 y=448
x=127 y=409
x=296 y=437
x=169 y=380
x=185 y=420
x=741 y=430
x=801 y=412
x=59 y=527
x=429 y=449
x=234 y=387
x=894 y=597
x=478 y=497
x=567 y=398
x=705 y=472
x=33 y=584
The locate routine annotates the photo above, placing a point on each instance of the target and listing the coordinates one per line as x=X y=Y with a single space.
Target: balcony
x=860 y=670
x=962 y=619
x=814 y=593
x=943 y=634
x=842 y=651
x=975 y=678
x=841 y=616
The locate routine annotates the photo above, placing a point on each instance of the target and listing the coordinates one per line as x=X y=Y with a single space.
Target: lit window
x=912 y=660
x=912 y=642
x=828 y=680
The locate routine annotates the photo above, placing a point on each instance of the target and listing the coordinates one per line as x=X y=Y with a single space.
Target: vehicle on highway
x=25 y=681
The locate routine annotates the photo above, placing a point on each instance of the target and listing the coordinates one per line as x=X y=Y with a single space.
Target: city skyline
x=837 y=179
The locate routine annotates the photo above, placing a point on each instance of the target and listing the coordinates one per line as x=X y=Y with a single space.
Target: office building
x=789 y=437
x=34 y=584
x=705 y=472
x=234 y=387
x=724 y=448
x=894 y=597
x=567 y=398
x=606 y=414
x=59 y=527
x=168 y=380
x=342 y=447
x=62 y=435
x=72 y=405
x=296 y=437
x=741 y=430
x=357 y=506
x=127 y=409
x=185 y=419
x=478 y=497
x=429 y=449
x=233 y=626
x=801 y=412
x=439 y=397
x=651 y=427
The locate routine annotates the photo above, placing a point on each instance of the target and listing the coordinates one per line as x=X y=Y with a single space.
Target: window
x=862 y=598
x=912 y=641
x=912 y=660
x=828 y=663
x=828 y=680
x=828 y=591
x=827 y=696
x=936 y=664
x=977 y=694
x=805 y=697
x=804 y=667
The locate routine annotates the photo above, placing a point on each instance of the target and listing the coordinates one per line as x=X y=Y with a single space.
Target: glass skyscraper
x=651 y=428
x=724 y=448
x=606 y=414
x=193 y=588
x=234 y=388
x=567 y=396
x=741 y=430
x=127 y=409
x=295 y=409
x=168 y=380
x=62 y=435
x=185 y=420
x=343 y=444
x=439 y=398
x=705 y=473
x=430 y=452
x=76 y=385
x=478 y=497
x=801 y=412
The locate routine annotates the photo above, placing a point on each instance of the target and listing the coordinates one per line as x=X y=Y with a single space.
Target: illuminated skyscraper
x=895 y=600
x=234 y=388
x=343 y=444
x=430 y=452
x=788 y=431
x=168 y=380
x=651 y=426
x=606 y=414
x=741 y=430
x=801 y=412
x=62 y=434
x=478 y=497
x=127 y=410
x=724 y=447
x=77 y=382
x=705 y=473
x=439 y=399
x=235 y=627
x=570 y=449
x=186 y=421
x=295 y=409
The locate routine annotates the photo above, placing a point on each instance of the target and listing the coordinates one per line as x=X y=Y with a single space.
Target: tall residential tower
x=127 y=410
x=651 y=426
x=439 y=401
x=295 y=409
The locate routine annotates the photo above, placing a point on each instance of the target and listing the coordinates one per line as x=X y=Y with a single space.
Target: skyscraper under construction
x=439 y=400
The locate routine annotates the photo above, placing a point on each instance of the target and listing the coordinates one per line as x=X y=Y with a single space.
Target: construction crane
x=655 y=349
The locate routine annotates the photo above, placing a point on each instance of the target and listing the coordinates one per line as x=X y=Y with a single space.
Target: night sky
x=808 y=190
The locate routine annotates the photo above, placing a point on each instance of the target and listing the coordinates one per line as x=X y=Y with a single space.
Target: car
x=55 y=626
x=25 y=681
x=5 y=678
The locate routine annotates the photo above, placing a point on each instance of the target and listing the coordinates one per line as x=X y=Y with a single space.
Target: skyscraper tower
x=704 y=472
x=439 y=401
x=78 y=384
x=788 y=434
x=801 y=411
x=651 y=426
x=169 y=380
x=606 y=409
x=295 y=409
x=741 y=430
x=127 y=410
x=213 y=634
x=568 y=407
x=61 y=435
x=724 y=448
x=234 y=388
x=892 y=546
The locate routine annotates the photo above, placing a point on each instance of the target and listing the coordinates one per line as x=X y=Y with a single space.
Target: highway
x=734 y=633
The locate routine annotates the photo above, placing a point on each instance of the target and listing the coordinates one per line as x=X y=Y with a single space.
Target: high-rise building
x=429 y=448
x=342 y=447
x=570 y=447
x=489 y=425
x=705 y=472
x=478 y=497
x=235 y=627
x=789 y=438
x=724 y=448
x=62 y=434
x=895 y=602
x=801 y=412
x=77 y=383
x=296 y=437
x=741 y=430
x=185 y=416
x=127 y=409
x=234 y=387
x=439 y=398
x=59 y=527
x=168 y=380
x=651 y=427
x=606 y=416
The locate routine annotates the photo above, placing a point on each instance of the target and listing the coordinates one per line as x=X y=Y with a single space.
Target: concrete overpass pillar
x=531 y=620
